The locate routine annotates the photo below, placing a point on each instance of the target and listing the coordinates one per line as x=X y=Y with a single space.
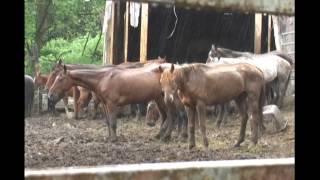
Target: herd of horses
x=175 y=91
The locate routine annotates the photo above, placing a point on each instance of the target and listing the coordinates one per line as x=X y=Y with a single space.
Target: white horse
x=275 y=66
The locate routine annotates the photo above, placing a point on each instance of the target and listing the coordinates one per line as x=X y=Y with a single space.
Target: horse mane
x=235 y=53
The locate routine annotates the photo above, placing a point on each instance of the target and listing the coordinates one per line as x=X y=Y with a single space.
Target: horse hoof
x=157 y=136
x=205 y=143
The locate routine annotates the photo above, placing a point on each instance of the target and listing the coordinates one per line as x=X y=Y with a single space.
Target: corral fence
x=275 y=169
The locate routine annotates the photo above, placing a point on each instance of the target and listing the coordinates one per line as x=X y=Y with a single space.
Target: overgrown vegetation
x=70 y=29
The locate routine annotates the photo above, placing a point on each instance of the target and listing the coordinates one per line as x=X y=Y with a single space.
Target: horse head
x=60 y=86
x=213 y=55
x=56 y=69
x=169 y=84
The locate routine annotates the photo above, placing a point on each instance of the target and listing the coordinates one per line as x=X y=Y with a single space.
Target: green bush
x=72 y=52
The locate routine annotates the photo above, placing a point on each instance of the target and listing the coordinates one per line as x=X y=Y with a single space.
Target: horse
x=115 y=87
x=84 y=98
x=199 y=85
x=275 y=65
x=40 y=80
x=28 y=95
x=74 y=91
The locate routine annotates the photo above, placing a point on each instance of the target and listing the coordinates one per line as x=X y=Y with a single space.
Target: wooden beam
x=126 y=31
x=144 y=32
x=277 y=7
x=112 y=34
x=257 y=32
x=269 y=33
x=276 y=31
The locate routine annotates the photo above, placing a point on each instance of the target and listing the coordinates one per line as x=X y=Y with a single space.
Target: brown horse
x=199 y=85
x=40 y=80
x=74 y=91
x=115 y=87
x=83 y=101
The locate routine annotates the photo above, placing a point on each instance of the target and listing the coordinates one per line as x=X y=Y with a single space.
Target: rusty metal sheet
x=275 y=7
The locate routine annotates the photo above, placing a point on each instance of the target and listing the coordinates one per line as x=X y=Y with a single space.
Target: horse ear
x=64 y=69
x=215 y=47
x=160 y=69
x=172 y=68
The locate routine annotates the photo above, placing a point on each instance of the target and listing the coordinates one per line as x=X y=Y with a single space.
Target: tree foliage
x=68 y=24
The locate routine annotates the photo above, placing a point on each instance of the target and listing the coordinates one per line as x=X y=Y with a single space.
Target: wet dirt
x=61 y=142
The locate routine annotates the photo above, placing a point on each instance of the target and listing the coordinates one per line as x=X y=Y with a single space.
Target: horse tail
x=284 y=56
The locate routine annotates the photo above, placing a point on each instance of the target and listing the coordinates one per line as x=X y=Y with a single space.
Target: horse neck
x=88 y=79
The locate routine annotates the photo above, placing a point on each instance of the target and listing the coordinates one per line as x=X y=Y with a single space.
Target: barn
x=135 y=32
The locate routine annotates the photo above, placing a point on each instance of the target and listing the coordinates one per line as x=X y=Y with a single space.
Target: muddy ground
x=61 y=142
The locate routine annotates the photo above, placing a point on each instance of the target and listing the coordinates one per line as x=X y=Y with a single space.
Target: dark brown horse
x=199 y=85
x=115 y=87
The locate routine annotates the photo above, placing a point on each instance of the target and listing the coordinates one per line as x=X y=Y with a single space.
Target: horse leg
x=112 y=113
x=283 y=86
x=221 y=114
x=171 y=113
x=242 y=106
x=96 y=103
x=163 y=116
x=201 y=107
x=105 y=110
x=184 y=119
x=65 y=102
x=191 y=112
x=253 y=102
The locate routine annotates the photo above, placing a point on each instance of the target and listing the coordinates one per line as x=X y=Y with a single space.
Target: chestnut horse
x=199 y=85
x=76 y=92
x=83 y=101
x=115 y=87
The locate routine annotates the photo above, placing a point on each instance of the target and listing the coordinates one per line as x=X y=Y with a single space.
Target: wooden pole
x=111 y=33
x=126 y=31
x=257 y=37
x=144 y=32
x=269 y=33
x=276 y=32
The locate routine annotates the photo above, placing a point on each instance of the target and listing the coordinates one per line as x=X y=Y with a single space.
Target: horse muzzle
x=168 y=98
x=53 y=99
